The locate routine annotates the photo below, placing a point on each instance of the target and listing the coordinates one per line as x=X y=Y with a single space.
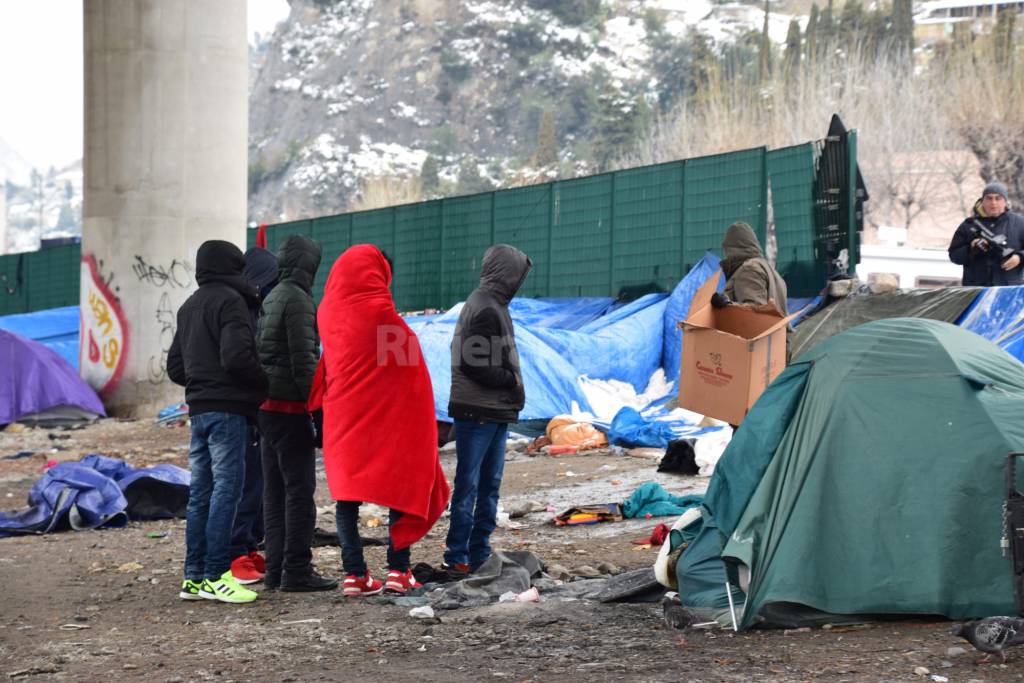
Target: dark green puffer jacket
x=288 y=343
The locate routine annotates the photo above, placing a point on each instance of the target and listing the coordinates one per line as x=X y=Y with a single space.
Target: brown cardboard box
x=730 y=355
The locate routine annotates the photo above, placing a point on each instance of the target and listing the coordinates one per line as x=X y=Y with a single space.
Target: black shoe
x=271 y=583
x=306 y=583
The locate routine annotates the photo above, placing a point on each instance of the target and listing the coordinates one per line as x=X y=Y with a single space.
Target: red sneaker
x=400 y=582
x=244 y=571
x=258 y=562
x=357 y=586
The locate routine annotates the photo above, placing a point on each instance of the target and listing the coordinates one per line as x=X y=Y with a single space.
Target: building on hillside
x=935 y=20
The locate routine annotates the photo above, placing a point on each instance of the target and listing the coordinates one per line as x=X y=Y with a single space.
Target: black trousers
x=289 y=483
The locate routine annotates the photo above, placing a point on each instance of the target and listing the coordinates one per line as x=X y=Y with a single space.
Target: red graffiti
x=94 y=350
x=105 y=331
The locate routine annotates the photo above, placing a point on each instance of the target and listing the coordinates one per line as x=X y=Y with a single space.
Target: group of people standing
x=262 y=396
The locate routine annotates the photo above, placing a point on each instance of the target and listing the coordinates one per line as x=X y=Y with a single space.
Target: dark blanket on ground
x=842 y=314
x=98 y=491
x=516 y=571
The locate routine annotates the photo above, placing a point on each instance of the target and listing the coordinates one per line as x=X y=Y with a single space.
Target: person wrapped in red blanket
x=379 y=427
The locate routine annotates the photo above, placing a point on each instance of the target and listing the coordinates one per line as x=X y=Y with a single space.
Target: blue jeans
x=217 y=460
x=480 y=453
x=248 y=531
x=346 y=513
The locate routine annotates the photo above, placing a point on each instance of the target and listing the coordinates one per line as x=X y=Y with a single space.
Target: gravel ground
x=102 y=605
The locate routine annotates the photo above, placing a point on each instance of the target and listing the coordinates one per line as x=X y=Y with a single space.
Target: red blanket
x=380 y=433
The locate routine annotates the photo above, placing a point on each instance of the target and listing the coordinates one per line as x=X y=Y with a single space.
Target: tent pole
x=732 y=609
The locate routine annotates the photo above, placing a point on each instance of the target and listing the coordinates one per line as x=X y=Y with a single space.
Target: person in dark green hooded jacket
x=289 y=349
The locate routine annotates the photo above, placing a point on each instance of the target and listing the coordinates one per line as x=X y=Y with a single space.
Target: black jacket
x=983 y=268
x=288 y=343
x=487 y=385
x=213 y=354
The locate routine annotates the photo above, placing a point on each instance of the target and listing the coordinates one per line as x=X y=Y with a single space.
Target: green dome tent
x=867 y=480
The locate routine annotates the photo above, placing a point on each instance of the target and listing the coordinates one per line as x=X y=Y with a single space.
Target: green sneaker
x=190 y=590
x=226 y=589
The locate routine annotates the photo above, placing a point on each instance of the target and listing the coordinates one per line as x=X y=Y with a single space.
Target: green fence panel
x=54 y=277
x=277 y=234
x=334 y=234
x=466 y=233
x=791 y=176
x=38 y=280
x=718 y=191
x=647 y=228
x=376 y=227
x=417 y=256
x=619 y=233
x=13 y=283
x=522 y=218
x=581 y=237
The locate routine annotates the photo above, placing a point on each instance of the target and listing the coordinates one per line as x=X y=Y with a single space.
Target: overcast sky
x=41 y=74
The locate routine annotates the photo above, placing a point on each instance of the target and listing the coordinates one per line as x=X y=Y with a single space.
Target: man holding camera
x=990 y=243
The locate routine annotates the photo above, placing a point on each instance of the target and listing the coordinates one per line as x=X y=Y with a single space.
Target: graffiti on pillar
x=103 y=340
x=167 y=322
x=174 y=275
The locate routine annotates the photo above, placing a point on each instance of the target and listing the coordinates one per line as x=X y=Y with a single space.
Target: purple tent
x=36 y=384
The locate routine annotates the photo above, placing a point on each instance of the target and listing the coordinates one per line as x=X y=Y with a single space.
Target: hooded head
x=261 y=269
x=298 y=260
x=738 y=246
x=361 y=271
x=217 y=259
x=503 y=271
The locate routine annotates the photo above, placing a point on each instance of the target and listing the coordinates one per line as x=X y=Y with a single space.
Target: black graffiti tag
x=175 y=275
x=157 y=367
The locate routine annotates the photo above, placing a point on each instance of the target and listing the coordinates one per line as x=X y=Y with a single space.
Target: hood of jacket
x=260 y=269
x=503 y=271
x=298 y=260
x=220 y=261
x=739 y=246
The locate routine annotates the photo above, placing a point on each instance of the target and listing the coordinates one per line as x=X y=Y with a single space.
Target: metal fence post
x=853 y=236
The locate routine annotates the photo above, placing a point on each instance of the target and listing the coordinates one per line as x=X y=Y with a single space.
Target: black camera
x=995 y=244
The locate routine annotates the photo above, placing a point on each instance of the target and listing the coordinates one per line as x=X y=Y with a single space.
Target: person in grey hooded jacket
x=486 y=396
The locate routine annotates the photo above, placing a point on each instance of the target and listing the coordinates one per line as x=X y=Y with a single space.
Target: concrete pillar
x=166 y=126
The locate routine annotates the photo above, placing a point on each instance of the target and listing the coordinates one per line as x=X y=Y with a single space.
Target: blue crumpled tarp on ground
x=652 y=499
x=98 y=491
x=629 y=428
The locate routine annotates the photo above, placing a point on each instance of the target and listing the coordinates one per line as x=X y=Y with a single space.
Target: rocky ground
x=102 y=605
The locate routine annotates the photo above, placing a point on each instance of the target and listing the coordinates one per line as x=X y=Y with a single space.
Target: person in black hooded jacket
x=289 y=349
x=213 y=355
x=248 y=564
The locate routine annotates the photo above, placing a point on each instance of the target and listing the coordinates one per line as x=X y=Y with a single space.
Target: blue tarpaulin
x=998 y=315
x=679 y=307
x=56 y=328
x=560 y=340
x=98 y=491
